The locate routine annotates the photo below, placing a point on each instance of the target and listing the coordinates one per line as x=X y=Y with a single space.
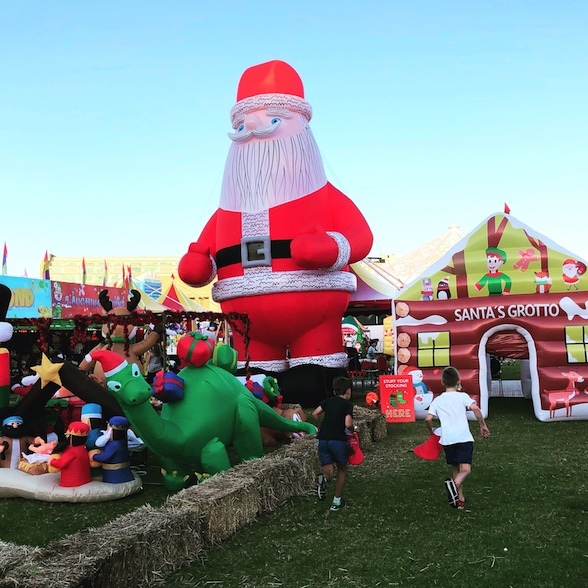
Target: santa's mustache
x=265 y=131
x=261 y=174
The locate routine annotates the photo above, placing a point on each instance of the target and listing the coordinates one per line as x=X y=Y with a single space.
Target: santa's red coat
x=297 y=291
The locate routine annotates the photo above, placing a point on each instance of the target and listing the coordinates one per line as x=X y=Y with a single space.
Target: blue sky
x=113 y=116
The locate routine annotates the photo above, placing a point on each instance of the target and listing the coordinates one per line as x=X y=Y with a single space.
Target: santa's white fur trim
x=212 y=273
x=276 y=365
x=261 y=101
x=282 y=282
x=344 y=251
x=335 y=360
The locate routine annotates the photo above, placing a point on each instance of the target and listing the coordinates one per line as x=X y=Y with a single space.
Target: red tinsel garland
x=239 y=323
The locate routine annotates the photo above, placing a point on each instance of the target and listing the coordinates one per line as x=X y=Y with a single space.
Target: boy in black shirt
x=332 y=438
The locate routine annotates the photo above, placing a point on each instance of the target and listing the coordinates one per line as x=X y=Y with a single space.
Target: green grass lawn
x=511 y=370
x=524 y=526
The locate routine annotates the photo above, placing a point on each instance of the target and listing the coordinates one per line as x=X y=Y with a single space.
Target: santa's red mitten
x=314 y=249
x=197 y=268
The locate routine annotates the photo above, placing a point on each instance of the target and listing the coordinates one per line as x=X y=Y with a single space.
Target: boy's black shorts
x=459 y=453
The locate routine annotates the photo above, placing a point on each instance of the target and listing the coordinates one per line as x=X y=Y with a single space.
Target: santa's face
x=570 y=270
x=269 y=123
x=273 y=159
x=349 y=338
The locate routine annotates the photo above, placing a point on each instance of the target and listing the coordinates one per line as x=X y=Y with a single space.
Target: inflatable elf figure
x=5 y=335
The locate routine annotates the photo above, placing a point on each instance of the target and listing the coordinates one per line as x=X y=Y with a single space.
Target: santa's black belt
x=254 y=251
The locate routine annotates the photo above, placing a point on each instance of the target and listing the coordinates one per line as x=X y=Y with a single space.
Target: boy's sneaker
x=321 y=487
x=461 y=504
x=337 y=506
x=451 y=492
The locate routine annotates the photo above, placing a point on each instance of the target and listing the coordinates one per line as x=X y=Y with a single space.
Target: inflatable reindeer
x=121 y=338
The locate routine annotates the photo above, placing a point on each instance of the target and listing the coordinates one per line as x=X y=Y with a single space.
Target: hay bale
x=225 y=503
x=277 y=478
x=375 y=419
x=13 y=555
x=379 y=429
x=364 y=414
x=132 y=550
x=305 y=452
x=364 y=431
x=291 y=406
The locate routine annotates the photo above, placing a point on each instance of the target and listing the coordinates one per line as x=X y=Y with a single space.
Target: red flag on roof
x=46 y=275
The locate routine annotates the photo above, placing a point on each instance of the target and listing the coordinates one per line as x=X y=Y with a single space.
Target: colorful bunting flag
x=4 y=268
x=124 y=277
x=45 y=275
x=83 y=270
x=104 y=279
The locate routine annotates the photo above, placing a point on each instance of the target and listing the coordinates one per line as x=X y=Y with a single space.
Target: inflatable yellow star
x=48 y=371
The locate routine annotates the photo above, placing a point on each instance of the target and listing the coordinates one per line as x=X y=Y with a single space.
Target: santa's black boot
x=309 y=384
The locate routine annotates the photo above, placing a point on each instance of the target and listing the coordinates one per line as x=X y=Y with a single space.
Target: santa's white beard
x=262 y=174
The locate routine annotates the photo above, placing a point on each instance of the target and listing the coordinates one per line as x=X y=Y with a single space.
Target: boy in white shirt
x=457 y=440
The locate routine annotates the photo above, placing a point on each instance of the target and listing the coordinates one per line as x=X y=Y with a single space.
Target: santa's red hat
x=580 y=266
x=111 y=362
x=273 y=84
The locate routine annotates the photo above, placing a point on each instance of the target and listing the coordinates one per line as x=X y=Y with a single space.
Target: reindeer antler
x=134 y=300
x=105 y=301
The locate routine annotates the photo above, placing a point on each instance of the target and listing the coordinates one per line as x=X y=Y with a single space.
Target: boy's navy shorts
x=332 y=451
x=459 y=453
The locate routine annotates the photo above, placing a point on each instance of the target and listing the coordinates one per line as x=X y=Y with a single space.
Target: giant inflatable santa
x=281 y=240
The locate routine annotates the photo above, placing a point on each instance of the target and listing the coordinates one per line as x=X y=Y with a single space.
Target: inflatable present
x=167 y=386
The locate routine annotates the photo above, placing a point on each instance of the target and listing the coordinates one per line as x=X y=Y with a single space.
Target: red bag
x=356 y=458
x=431 y=449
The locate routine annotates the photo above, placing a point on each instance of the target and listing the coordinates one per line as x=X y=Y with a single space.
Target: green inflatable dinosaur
x=192 y=434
